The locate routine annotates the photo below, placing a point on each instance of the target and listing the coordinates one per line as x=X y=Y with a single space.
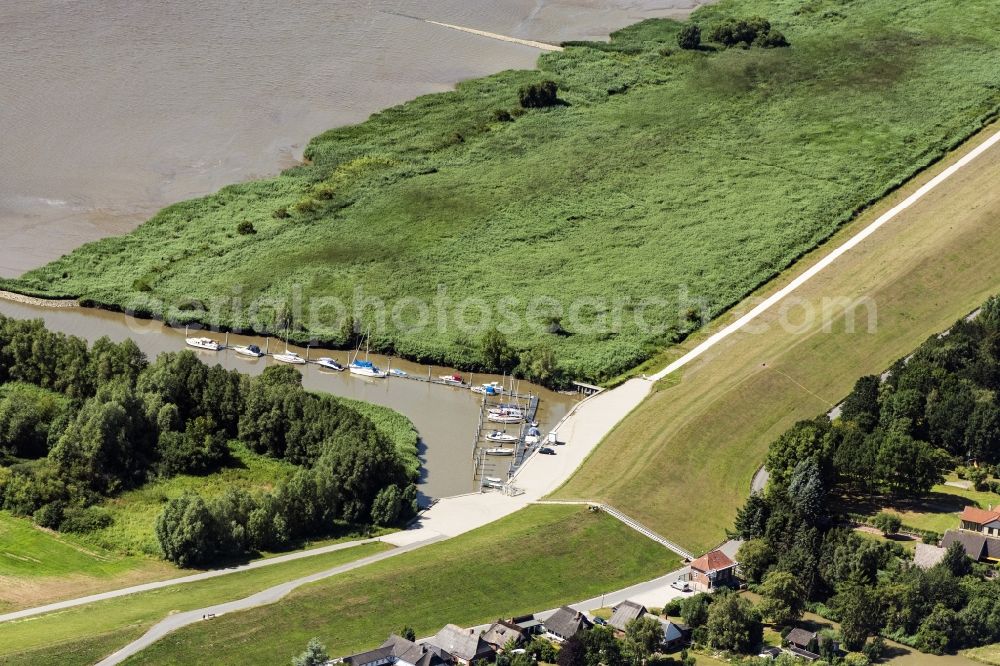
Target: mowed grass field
x=689 y=176
x=682 y=462
x=37 y=565
x=539 y=558
x=85 y=634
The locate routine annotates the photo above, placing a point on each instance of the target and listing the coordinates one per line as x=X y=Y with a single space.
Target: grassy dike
x=85 y=634
x=694 y=176
x=682 y=461
x=538 y=558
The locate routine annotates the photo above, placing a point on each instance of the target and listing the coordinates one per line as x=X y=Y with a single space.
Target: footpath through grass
x=85 y=634
x=536 y=559
x=682 y=462
x=691 y=176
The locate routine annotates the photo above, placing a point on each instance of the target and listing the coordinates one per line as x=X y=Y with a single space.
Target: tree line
x=895 y=435
x=80 y=424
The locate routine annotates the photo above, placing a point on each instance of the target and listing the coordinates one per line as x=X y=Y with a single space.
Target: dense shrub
x=689 y=37
x=82 y=520
x=754 y=31
x=539 y=95
x=245 y=228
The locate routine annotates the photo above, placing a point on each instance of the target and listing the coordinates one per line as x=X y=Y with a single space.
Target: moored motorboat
x=454 y=380
x=329 y=364
x=492 y=482
x=289 y=357
x=492 y=388
x=500 y=436
x=253 y=351
x=396 y=372
x=499 y=451
x=208 y=344
x=533 y=436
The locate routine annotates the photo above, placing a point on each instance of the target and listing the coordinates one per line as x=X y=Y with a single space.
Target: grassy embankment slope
x=667 y=172
x=682 y=462
x=542 y=557
x=39 y=566
x=85 y=634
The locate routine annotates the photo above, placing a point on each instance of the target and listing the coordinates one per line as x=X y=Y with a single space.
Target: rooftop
x=713 y=561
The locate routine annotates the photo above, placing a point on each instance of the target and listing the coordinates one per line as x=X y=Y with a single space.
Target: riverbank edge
x=46 y=301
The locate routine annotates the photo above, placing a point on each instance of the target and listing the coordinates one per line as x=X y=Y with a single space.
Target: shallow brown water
x=111 y=110
x=447 y=418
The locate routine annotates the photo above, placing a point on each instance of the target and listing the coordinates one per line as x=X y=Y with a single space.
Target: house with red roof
x=712 y=570
x=978 y=534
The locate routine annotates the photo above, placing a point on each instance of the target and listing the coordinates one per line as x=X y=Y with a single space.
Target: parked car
x=547 y=451
x=600 y=620
x=681 y=585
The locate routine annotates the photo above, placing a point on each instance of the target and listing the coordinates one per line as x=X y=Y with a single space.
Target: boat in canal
x=366 y=369
x=328 y=363
x=289 y=357
x=208 y=344
x=505 y=416
x=499 y=451
x=453 y=380
x=251 y=351
x=502 y=437
x=491 y=388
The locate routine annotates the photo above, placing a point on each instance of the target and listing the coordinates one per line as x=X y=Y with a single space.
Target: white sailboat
x=365 y=368
x=499 y=451
x=502 y=437
x=289 y=356
x=208 y=344
x=505 y=416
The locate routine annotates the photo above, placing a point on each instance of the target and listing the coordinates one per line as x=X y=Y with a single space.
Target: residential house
x=566 y=623
x=625 y=612
x=806 y=644
x=675 y=635
x=398 y=651
x=974 y=519
x=465 y=645
x=528 y=624
x=978 y=534
x=712 y=570
x=501 y=632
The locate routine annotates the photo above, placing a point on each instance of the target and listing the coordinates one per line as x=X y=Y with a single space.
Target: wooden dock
x=500 y=468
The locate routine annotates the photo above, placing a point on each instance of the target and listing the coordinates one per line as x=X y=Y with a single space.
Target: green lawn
x=682 y=461
x=84 y=634
x=536 y=559
x=38 y=565
x=936 y=512
x=691 y=176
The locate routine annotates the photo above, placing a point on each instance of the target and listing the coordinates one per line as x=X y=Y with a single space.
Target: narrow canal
x=446 y=417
